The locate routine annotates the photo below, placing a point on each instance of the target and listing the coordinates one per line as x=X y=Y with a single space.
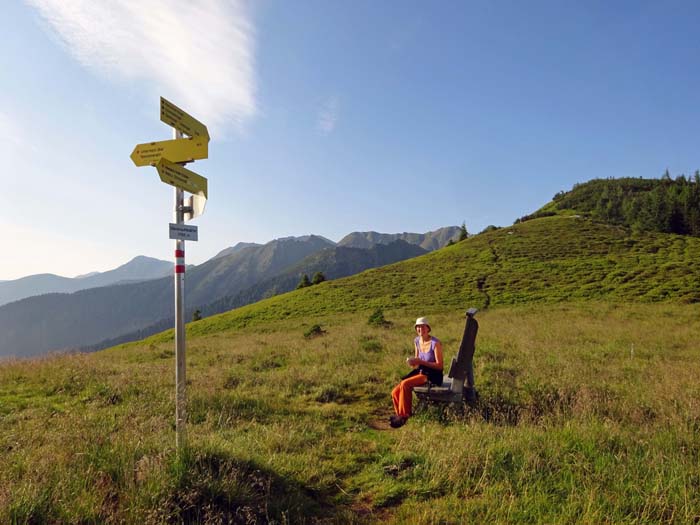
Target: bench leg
x=421 y=404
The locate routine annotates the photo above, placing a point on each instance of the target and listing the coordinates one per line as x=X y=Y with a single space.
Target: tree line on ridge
x=663 y=205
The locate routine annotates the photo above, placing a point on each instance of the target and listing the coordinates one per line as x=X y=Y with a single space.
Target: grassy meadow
x=588 y=413
x=587 y=363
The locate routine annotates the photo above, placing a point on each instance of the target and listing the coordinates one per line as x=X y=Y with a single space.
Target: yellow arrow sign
x=176 y=150
x=181 y=121
x=182 y=178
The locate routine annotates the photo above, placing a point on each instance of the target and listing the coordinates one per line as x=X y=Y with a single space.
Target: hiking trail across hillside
x=481 y=281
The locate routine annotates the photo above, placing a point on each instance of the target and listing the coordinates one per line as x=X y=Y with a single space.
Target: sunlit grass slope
x=544 y=260
x=588 y=411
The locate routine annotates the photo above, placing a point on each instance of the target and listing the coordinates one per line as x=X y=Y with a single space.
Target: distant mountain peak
x=140 y=268
x=236 y=248
x=429 y=241
x=86 y=275
x=305 y=238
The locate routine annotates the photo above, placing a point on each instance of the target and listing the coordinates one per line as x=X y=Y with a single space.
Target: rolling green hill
x=587 y=364
x=546 y=260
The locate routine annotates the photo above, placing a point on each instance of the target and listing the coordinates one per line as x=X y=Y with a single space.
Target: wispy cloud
x=16 y=142
x=328 y=116
x=10 y=134
x=200 y=55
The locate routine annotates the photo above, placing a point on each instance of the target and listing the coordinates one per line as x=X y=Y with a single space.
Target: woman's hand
x=413 y=361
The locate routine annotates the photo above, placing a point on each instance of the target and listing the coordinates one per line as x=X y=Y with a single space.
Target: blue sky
x=328 y=117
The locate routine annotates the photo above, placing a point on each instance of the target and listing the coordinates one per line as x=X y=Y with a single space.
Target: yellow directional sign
x=176 y=150
x=182 y=178
x=181 y=121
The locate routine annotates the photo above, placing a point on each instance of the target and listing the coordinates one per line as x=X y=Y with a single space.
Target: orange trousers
x=402 y=394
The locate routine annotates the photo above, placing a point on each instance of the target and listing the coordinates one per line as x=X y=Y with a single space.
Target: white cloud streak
x=11 y=136
x=16 y=140
x=328 y=116
x=198 y=54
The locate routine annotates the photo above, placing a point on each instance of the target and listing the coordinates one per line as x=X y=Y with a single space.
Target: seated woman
x=427 y=366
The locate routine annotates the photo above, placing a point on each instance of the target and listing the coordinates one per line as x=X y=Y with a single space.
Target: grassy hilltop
x=587 y=363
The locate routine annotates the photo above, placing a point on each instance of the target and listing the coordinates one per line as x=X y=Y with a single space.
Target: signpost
x=178 y=150
x=181 y=177
x=168 y=157
x=181 y=121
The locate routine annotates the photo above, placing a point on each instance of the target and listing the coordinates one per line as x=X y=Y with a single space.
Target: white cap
x=422 y=320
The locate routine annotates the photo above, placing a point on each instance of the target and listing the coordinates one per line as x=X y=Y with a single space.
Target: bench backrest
x=462 y=367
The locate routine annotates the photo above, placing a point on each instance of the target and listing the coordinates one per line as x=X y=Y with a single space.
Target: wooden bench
x=458 y=384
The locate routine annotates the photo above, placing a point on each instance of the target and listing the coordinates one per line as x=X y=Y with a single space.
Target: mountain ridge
x=85 y=317
x=429 y=241
x=88 y=317
x=333 y=262
x=140 y=268
x=80 y=320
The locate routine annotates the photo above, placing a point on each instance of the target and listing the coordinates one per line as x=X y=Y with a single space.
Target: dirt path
x=380 y=420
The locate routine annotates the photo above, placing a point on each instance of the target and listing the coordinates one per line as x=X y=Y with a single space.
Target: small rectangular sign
x=183 y=232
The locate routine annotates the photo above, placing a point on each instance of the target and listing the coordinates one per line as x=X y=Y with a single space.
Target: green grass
x=588 y=407
x=588 y=414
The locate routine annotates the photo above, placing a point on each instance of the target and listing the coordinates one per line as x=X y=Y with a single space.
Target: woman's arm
x=413 y=361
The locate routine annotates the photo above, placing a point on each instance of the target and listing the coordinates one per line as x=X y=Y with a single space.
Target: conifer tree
x=304 y=282
x=463 y=234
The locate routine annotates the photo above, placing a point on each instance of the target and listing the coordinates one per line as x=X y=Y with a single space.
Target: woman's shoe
x=397 y=421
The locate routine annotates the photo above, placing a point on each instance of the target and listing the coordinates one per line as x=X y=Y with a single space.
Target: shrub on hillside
x=536 y=215
x=377 y=319
x=314 y=331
